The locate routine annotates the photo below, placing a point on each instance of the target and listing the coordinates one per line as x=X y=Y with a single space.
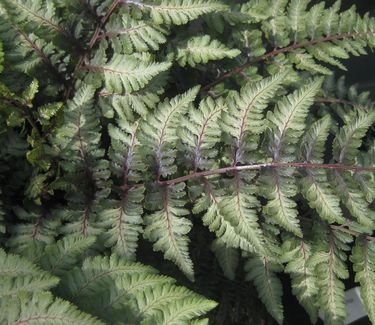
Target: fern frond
x=304 y=280
x=305 y=61
x=11 y=286
x=181 y=311
x=363 y=258
x=216 y=221
x=64 y=254
x=19 y=275
x=159 y=131
x=152 y=300
x=38 y=13
x=168 y=227
x=201 y=49
x=42 y=307
x=87 y=172
x=349 y=138
x=126 y=74
x=240 y=210
x=296 y=16
x=16 y=266
x=245 y=111
x=138 y=289
x=321 y=197
x=227 y=257
x=287 y=121
x=348 y=191
x=128 y=35
x=279 y=187
x=95 y=273
x=140 y=102
x=346 y=150
x=179 y=12
x=200 y=132
x=261 y=272
x=315 y=186
x=329 y=263
x=33 y=52
x=122 y=223
x=126 y=159
x=313 y=142
x=38 y=226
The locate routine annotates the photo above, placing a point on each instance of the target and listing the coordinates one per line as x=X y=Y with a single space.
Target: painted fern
x=207 y=139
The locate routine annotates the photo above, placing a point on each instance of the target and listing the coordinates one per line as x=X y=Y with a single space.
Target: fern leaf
x=313 y=20
x=109 y=286
x=305 y=61
x=64 y=254
x=201 y=49
x=42 y=308
x=296 y=15
x=37 y=226
x=126 y=159
x=216 y=221
x=122 y=294
x=245 y=111
x=261 y=272
x=227 y=257
x=87 y=172
x=313 y=142
x=126 y=74
x=304 y=280
x=364 y=266
x=321 y=197
x=168 y=228
x=128 y=35
x=179 y=12
x=123 y=223
x=348 y=191
x=152 y=300
x=20 y=275
x=140 y=102
x=200 y=132
x=287 y=122
x=349 y=138
x=239 y=209
x=315 y=186
x=11 y=286
x=329 y=263
x=95 y=274
x=16 y=266
x=40 y=12
x=159 y=131
x=181 y=311
x=279 y=186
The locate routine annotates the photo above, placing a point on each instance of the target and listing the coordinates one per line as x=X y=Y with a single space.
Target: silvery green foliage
x=133 y=121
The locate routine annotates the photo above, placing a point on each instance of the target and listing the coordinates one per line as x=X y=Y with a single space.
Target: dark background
x=361 y=69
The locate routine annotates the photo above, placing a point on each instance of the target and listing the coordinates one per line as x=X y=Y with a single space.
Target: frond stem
x=352 y=232
x=287 y=49
x=305 y=165
x=94 y=38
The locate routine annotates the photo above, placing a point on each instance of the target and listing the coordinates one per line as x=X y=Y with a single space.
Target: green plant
x=108 y=137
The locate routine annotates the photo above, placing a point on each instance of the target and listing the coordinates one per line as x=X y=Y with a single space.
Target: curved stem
x=287 y=49
x=225 y=170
